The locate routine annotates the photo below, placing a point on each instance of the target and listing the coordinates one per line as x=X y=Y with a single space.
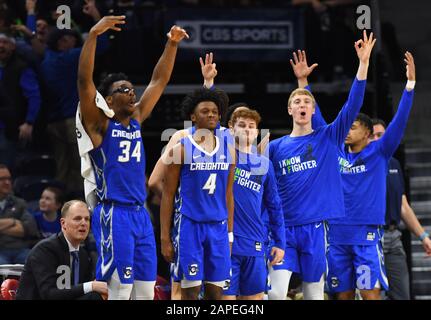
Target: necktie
x=75 y=266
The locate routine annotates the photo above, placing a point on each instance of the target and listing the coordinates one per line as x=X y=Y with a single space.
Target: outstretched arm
x=94 y=120
x=161 y=74
x=393 y=135
x=302 y=71
x=341 y=126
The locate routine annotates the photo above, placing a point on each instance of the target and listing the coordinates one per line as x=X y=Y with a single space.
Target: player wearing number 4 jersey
x=202 y=172
x=121 y=226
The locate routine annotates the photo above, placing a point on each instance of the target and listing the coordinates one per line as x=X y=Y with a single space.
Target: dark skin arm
x=172 y=179
x=161 y=75
x=94 y=121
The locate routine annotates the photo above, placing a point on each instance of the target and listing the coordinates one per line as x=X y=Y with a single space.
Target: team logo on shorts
x=127 y=272
x=258 y=246
x=334 y=282
x=371 y=236
x=193 y=269
x=226 y=285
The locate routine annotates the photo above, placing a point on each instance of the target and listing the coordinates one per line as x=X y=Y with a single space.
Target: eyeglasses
x=5 y=179
x=123 y=90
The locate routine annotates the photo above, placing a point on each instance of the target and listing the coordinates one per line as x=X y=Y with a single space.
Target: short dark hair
x=365 y=120
x=230 y=110
x=191 y=101
x=66 y=207
x=106 y=83
x=3 y=166
x=56 y=34
x=377 y=121
x=58 y=193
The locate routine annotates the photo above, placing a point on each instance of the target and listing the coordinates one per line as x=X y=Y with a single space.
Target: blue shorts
x=201 y=250
x=249 y=276
x=355 y=266
x=125 y=241
x=305 y=251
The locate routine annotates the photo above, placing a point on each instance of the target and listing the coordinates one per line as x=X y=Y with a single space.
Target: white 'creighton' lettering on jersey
x=209 y=166
x=124 y=134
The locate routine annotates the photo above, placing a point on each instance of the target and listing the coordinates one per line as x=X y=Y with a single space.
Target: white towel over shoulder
x=85 y=146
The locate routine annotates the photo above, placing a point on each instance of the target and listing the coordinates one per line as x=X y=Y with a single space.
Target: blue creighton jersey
x=364 y=173
x=306 y=167
x=255 y=186
x=203 y=182
x=119 y=164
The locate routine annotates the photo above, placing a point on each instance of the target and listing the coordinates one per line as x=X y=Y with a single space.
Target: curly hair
x=105 y=85
x=191 y=101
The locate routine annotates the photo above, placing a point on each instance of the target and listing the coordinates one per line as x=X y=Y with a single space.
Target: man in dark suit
x=57 y=268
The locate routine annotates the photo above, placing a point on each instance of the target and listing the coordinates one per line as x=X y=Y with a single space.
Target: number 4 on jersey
x=210 y=185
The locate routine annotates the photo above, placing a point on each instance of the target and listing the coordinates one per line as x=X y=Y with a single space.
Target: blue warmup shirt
x=203 y=182
x=394 y=192
x=47 y=228
x=254 y=186
x=364 y=173
x=119 y=164
x=306 y=167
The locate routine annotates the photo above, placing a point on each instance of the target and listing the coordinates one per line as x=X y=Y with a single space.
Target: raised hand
x=209 y=71
x=108 y=23
x=410 y=66
x=364 y=47
x=90 y=9
x=30 y=6
x=21 y=28
x=176 y=34
x=300 y=66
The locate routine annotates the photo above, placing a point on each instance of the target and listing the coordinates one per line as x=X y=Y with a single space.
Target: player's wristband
x=230 y=235
x=410 y=84
x=424 y=235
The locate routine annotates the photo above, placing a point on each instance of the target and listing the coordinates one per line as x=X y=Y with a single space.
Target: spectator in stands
x=59 y=71
x=17 y=226
x=48 y=215
x=36 y=29
x=58 y=267
x=19 y=100
x=397 y=209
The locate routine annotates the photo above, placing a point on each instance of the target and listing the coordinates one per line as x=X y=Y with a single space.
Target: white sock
x=313 y=290
x=143 y=290
x=279 y=284
x=118 y=290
